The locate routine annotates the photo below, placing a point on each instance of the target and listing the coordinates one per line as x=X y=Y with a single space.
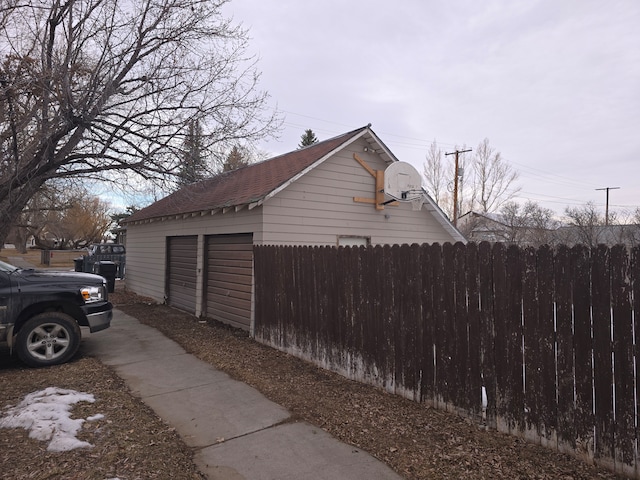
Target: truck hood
x=57 y=277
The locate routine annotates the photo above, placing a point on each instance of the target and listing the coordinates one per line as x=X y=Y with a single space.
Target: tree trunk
x=12 y=203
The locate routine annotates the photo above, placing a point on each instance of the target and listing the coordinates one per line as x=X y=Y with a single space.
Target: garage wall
x=146 y=245
x=319 y=207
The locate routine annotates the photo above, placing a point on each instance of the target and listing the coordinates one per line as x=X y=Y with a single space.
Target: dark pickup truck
x=41 y=312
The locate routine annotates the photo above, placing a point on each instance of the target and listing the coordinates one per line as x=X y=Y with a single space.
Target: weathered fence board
x=566 y=417
x=624 y=444
x=537 y=342
x=474 y=371
x=428 y=324
x=487 y=331
x=547 y=400
x=603 y=367
x=583 y=345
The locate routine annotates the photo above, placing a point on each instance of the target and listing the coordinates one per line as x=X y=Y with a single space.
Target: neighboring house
x=484 y=227
x=592 y=235
x=493 y=227
x=194 y=248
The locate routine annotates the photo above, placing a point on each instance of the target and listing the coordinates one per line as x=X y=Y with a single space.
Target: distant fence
x=536 y=343
x=69 y=258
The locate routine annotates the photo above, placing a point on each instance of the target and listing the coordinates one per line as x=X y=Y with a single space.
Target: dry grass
x=61 y=259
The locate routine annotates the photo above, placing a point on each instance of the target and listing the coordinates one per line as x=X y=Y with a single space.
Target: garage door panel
x=246 y=260
x=228 y=264
x=229 y=278
x=225 y=292
x=233 y=305
x=230 y=318
x=182 y=277
x=232 y=269
x=226 y=287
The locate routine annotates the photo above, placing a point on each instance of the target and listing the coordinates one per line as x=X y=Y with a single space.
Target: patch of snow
x=46 y=415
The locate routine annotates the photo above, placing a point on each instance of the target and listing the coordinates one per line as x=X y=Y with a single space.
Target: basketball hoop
x=403 y=183
x=416 y=203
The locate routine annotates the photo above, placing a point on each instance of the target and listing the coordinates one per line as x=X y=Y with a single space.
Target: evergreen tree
x=235 y=160
x=307 y=138
x=193 y=167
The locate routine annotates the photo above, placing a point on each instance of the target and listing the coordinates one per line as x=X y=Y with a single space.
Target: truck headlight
x=92 y=294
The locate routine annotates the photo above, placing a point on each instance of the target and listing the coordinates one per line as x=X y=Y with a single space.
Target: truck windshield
x=5 y=267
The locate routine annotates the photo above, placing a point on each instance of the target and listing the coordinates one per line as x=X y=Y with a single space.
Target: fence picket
x=461 y=395
x=532 y=345
x=474 y=378
x=566 y=417
x=487 y=331
x=583 y=344
x=624 y=444
x=603 y=367
x=547 y=402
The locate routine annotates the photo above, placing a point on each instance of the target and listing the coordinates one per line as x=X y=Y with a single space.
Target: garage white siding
x=318 y=208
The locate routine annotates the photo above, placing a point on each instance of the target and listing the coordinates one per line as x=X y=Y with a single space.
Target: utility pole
x=606 y=214
x=456 y=174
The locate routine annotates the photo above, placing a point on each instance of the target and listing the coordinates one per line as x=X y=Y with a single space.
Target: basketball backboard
x=402 y=182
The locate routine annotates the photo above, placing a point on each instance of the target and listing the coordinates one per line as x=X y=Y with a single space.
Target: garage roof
x=250 y=186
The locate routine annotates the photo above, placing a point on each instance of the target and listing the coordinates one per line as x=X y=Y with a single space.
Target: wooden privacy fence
x=536 y=343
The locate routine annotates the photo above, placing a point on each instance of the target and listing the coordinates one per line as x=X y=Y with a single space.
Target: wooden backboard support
x=378 y=176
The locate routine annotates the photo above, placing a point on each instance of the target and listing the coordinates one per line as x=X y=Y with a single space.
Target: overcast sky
x=553 y=84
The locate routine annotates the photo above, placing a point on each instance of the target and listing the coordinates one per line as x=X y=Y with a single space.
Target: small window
x=353 y=241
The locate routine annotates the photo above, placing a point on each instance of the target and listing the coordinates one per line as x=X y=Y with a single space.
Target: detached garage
x=194 y=248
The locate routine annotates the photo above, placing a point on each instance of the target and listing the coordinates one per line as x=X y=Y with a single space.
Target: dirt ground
x=131 y=442
x=417 y=441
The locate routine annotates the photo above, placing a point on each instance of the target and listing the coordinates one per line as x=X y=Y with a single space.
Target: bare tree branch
x=106 y=89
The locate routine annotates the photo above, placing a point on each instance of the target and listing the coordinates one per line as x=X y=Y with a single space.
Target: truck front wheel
x=49 y=338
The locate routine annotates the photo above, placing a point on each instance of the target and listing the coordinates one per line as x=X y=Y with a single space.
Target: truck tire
x=50 y=338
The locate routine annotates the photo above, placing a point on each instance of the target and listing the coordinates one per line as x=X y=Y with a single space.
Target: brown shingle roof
x=244 y=186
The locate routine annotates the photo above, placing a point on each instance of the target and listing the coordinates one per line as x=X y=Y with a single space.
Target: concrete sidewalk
x=237 y=432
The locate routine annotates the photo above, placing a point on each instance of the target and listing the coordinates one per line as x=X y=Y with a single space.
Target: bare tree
x=586 y=222
x=493 y=181
x=436 y=175
x=485 y=182
x=86 y=221
x=528 y=224
x=62 y=215
x=106 y=89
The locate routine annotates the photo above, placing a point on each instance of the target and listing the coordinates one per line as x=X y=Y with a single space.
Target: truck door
x=5 y=297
